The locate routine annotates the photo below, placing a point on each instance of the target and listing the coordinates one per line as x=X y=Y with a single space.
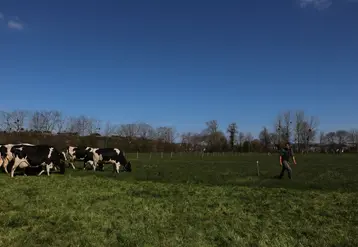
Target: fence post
x=258 y=168
x=150 y=155
x=137 y=155
x=171 y=155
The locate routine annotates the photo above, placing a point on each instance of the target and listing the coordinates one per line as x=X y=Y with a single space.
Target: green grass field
x=187 y=201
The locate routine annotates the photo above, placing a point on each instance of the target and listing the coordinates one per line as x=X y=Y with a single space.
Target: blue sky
x=182 y=62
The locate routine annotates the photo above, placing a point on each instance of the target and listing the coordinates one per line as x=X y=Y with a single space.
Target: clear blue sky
x=184 y=62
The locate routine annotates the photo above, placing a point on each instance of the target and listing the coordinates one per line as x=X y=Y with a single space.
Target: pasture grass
x=187 y=201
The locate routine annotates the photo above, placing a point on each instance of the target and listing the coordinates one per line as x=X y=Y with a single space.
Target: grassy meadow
x=187 y=200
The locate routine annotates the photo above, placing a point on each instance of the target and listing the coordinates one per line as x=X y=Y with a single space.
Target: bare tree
x=167 y=134
x=14 y=121
x=145 y=131
x=342 y=136
x=232 y=131
x=298 y=129
x=210 y=133
x=109 y=129
x=309 y=131
x=6 y=121
x=287 y=126
x=212 y=126
x=278 y=130
x=83 y=125
x=186 y=141
x=60 y=125
x=331 y=137
x=241 y=139
x=322 y=138
x=45 y=120
x=129 y=131
x=354 y=137
x=249 y=138
x=265 y=138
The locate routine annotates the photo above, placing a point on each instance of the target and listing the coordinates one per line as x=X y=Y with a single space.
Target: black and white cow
x=6 y=154
x=39 y=155
x=76 y=153
x=114 y=156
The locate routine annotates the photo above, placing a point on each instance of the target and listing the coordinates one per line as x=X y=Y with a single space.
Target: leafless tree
x=45 y=120
x=342 y=136
x=322 y=138
x=211 y=133
x=166 y=134
x=83 y=125
x=309 y=131
x=212 y=126
x=129 y=131
x=241 y=139
x=299 y=128
x=287 y=126
x=354 y=137
x=265 y=138
x=279 y=129
x=186 y=141
x=14 y=121
x=109 y=129
x=249 y=138
x=145 y=131
x=232 y=130
x=60 y=125
x=331 y=137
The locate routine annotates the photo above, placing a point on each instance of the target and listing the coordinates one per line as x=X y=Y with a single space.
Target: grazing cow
x=112 y=156
x=76 y=153
x=6 y=154
x=39 y=155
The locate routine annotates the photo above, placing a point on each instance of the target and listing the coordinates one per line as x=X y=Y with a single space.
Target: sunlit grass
x=186 y=201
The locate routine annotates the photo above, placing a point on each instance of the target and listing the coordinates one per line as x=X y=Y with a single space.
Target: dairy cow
x=114 y=156
x=76 y=153
x=38 y=156
x=6 y=156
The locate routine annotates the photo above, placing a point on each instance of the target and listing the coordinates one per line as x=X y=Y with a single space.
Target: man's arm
x=280 y=160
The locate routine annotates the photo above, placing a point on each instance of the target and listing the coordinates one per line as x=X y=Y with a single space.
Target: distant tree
x=265 y=138
x=232 y=131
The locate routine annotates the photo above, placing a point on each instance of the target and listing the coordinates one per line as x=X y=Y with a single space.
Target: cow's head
x=128 y=167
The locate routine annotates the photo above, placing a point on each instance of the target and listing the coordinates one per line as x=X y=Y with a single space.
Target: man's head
x=288 y=145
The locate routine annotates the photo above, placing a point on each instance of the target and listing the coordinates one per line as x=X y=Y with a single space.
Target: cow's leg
x=5 y=163
x=95 y=161
x=70 y=163
x=17 y=163
x=118 y=165
x=48 y=168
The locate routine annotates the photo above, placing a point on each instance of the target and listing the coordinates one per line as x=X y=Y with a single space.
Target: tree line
x=53 y=127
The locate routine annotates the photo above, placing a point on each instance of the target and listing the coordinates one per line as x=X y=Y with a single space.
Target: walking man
x=285 y=156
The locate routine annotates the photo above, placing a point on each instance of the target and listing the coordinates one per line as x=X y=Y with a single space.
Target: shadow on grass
x=266 y=181
x=319 y=172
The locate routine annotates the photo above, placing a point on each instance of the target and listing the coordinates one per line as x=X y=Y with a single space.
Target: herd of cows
x=45 y=158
